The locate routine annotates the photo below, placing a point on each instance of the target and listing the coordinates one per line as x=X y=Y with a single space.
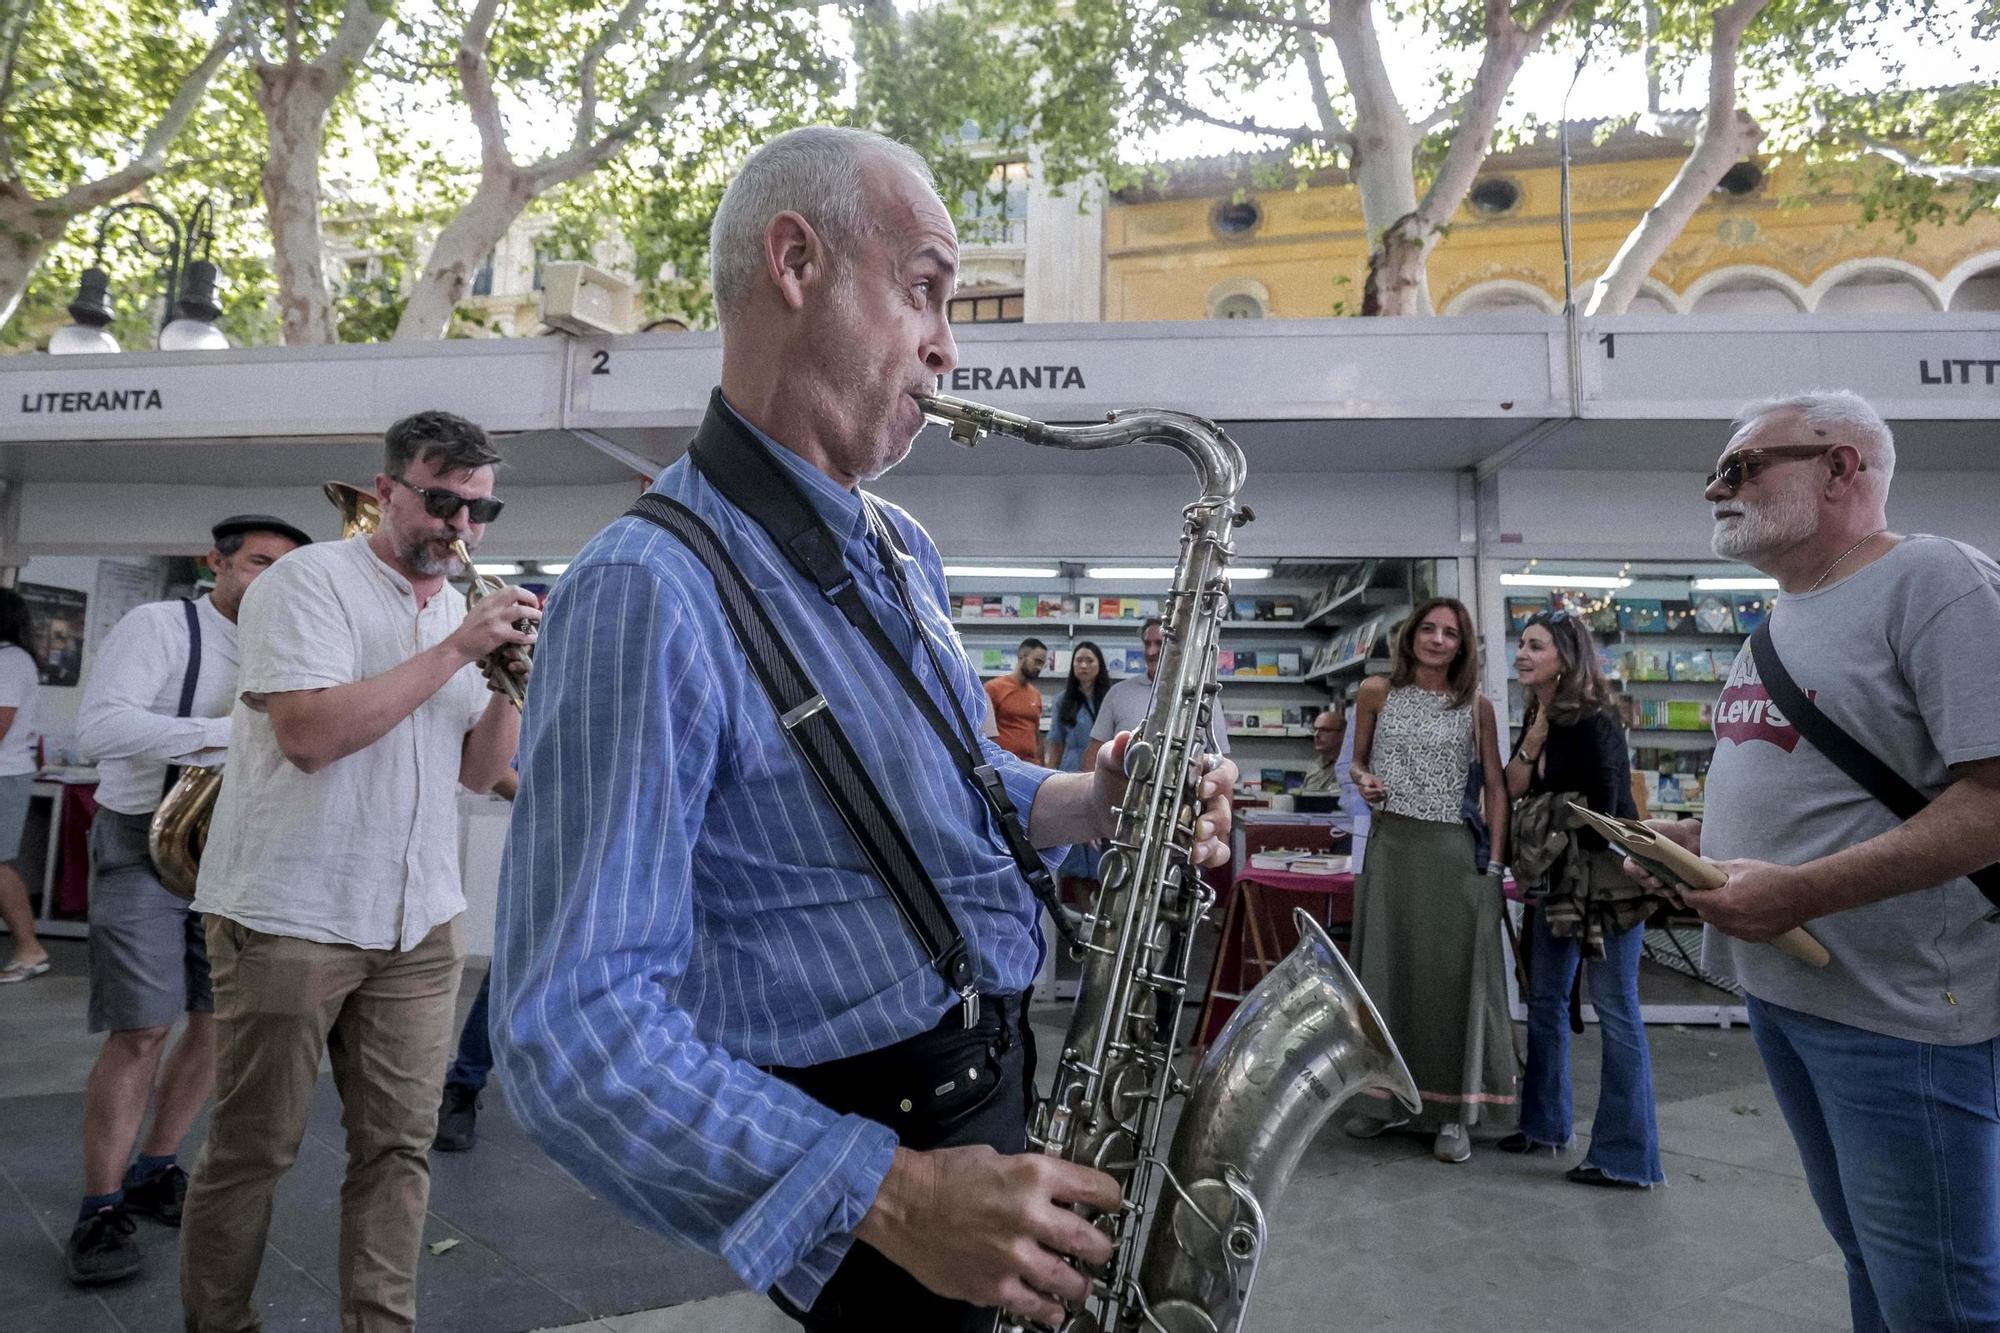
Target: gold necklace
x=1842 y=556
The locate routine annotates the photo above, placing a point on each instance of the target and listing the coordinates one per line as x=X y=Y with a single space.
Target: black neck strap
x=740 y=466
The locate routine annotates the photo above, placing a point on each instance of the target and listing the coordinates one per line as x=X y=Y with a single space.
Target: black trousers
x=950 y=1087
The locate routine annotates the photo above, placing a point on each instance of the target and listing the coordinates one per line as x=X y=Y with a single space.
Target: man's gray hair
x=814 y=171
x=1838 y=414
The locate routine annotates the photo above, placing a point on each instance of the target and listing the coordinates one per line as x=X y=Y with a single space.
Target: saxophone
x=179 y=831
x=1192 y=1227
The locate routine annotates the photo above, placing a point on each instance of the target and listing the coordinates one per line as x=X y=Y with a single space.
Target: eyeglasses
x=440 y=503
x=1735 y=469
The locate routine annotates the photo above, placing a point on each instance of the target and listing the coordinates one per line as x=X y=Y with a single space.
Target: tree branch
x=476 y=80
x=1331 y=124
x=1730 y=22
x=586 y=76
x=17 y=27
x=360 y=25
x=667 y=85
x=291 y=32
x=153 y=149
x=1943 y=172
x=1188 y=111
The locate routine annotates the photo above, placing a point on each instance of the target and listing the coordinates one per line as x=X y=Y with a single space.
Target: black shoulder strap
x=1853 y=758
x=193 y=672
x=733 y=461
x=189 y=678
x=811 y=726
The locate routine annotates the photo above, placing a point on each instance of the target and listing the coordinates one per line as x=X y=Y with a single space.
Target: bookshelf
x=1290 y=642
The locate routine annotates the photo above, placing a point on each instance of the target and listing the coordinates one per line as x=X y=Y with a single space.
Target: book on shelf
x=1649 y=664
x=1243 y=608
x=1288 y=662
x=1086 y=608
x=1695 y=664
x=1752 y=610
x=1225 y=662
x=1520 y=609
x=1641 y=615
x=1714 y=613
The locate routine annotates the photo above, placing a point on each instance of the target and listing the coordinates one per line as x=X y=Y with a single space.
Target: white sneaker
x=1452 y=1145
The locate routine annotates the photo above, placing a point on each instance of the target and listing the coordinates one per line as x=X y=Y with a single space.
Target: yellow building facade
x=1211 y=244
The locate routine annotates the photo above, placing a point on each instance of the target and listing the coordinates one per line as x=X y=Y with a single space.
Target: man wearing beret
x=158 y=697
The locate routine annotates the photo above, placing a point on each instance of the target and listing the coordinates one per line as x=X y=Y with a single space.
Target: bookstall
x=1434 y=454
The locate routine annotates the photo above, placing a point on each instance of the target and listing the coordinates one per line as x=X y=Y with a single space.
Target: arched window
x=1979 y=292
x=1503 y=296
x=1876 y=288
x=1744 y=292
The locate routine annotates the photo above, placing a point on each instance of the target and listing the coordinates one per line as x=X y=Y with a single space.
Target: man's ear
x=214 y=560
x=794 y=257
x=1847 y=466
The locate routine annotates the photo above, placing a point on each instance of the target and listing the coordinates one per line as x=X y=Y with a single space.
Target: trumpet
x=495 y=664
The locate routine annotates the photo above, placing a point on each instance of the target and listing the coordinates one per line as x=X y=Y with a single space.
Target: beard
x=423 y=557
x=1783 y=520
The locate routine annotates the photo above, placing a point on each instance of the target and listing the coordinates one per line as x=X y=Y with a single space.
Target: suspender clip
x=792 y=719
x=968 y=1003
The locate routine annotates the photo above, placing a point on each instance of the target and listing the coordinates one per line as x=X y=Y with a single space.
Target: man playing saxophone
x=331 y=877
x=708 y=1002
x=158 y=694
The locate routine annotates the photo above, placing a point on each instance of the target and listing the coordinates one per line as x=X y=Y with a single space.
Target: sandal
x=15 y=972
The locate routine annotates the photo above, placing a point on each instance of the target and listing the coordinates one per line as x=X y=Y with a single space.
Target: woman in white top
x=20 y=677
x=1426 y=942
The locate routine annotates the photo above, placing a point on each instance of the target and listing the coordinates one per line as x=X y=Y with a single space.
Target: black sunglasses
x=1744 y=464
x=440 y=503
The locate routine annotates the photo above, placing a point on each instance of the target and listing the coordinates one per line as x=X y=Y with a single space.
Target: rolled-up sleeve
x=597 y=918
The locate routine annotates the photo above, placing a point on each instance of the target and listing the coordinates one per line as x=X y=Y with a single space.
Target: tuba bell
x=179 y=830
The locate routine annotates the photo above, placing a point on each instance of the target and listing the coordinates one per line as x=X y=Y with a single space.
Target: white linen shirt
x=365 y=851
x=126 y=723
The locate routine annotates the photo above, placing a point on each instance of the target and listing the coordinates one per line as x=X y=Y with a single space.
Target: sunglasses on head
x=1550 y=617
x=1744 y=464
x=441 y=503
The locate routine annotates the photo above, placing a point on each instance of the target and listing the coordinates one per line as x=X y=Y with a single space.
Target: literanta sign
x=990 y=379
x=93 y=400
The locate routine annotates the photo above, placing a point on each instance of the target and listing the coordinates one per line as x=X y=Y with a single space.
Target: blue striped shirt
x=679 y=904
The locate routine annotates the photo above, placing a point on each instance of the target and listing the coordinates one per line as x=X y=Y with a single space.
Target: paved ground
x=1371 y=1235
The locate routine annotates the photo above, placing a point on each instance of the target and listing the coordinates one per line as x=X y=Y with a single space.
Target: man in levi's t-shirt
x=1884 y=1061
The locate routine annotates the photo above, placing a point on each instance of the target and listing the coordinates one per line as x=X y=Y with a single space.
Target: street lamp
x=191 y=307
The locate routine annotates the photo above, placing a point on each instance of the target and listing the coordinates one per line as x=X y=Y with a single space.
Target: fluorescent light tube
x=499 y=570
x=1000 y=572
x=555 y=569
x=1736 y=585
x=1564 y=581
x=1115 y=573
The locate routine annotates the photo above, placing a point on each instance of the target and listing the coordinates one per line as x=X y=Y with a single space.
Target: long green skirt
x=1426 y=945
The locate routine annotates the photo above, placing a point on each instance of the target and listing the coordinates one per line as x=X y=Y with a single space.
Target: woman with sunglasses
x=1573 y=746
x=1426 y=917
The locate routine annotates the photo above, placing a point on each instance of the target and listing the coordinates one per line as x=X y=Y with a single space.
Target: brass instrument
x=179 y=830
x=360 y=511
x=1191 y=1231
x=494 y=664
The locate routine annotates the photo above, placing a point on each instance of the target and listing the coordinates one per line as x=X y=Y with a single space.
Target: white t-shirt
x=1124 y=708
x=365 y=851
x=19 y=681
x=126 y=723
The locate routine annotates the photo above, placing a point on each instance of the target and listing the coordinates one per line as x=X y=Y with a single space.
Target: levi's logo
x=1745 y=713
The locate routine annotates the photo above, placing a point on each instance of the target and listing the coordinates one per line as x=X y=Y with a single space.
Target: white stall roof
x=1648 y=393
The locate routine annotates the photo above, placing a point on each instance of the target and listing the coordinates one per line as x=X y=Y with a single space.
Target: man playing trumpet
x=331 y=876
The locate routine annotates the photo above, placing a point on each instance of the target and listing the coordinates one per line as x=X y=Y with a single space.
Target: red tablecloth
x=1271 y=895
x=79 y=808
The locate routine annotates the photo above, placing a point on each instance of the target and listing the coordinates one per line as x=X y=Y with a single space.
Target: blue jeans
x=1624 y=1137
x=1901 y=1146
x=475 y=1048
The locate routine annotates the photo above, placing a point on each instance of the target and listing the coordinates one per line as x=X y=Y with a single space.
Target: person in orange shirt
x=1017 y=704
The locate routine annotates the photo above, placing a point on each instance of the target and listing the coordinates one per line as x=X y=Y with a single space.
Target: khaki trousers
x=384 y=1018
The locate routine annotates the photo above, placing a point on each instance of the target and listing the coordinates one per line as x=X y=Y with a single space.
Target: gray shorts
x=14 y=792
x=148 y=958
